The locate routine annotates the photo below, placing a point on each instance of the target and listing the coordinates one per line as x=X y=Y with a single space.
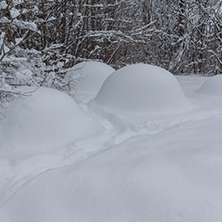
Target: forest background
x=42 y=40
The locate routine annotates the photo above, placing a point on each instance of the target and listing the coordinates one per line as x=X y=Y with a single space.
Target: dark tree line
x=48 y=37
x=181 y=36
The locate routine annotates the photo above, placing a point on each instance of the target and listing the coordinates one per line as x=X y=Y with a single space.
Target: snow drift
x=212 y=86
x=142 y=89
x=165 y=169
x=171 y=176
x=45 y=119
x=91 y=76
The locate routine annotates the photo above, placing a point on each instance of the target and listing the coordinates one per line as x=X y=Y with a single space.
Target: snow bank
x=142 y=89
x=47 y=119
x=212 y=86
x=171 y=176
x=91 y=76
x=163 y=170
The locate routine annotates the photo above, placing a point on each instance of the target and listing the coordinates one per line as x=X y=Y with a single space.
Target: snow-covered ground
x=98 y=161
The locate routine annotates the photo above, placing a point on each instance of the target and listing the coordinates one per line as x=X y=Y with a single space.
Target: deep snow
x=161 y=169
x=146 y=178
x=90 y=76
x=42 y=122
x=140 y=92
x=142 y=88
x=212 y=86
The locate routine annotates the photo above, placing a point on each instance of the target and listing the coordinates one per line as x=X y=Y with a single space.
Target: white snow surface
x=142 y=89
x=212 y=86
x=42 y=121
x=162 y=169
x=91 y=76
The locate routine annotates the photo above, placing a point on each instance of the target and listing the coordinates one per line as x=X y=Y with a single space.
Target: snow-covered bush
x=143 y=89
x=15 y=31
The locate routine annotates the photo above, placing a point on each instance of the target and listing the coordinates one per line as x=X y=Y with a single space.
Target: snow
x=90 y=76
x=143 y=179
x=33 y=123
x=212 y=86
x=14 y=13
x=3 y=5
x=109 y=169
x=4 y=48
x=142 y=89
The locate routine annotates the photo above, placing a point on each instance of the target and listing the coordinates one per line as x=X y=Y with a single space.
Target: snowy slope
x=89 y=77
x=45 y=120
x=158 y=169
x=143 y=179
x=142 y=88
x=212 y=86
x=140 y=92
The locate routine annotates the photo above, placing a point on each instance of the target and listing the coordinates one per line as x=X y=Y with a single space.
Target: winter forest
x=41 y=40
x=110 y=111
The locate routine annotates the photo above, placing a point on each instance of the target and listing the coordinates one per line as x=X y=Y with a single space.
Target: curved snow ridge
x=43 y=122
x=142 y=89
x=212 y=86
x=89 y=76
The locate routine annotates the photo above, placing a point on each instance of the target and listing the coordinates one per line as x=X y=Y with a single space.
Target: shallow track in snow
x=16 y=175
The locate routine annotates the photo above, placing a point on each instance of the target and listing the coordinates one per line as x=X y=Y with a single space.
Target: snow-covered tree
x=41 y=40
x=16 y=29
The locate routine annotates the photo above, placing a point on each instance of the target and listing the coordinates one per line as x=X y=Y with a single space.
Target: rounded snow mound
x=90 y=76
x=212 y=86
x=47 y=119
x=142 y=88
